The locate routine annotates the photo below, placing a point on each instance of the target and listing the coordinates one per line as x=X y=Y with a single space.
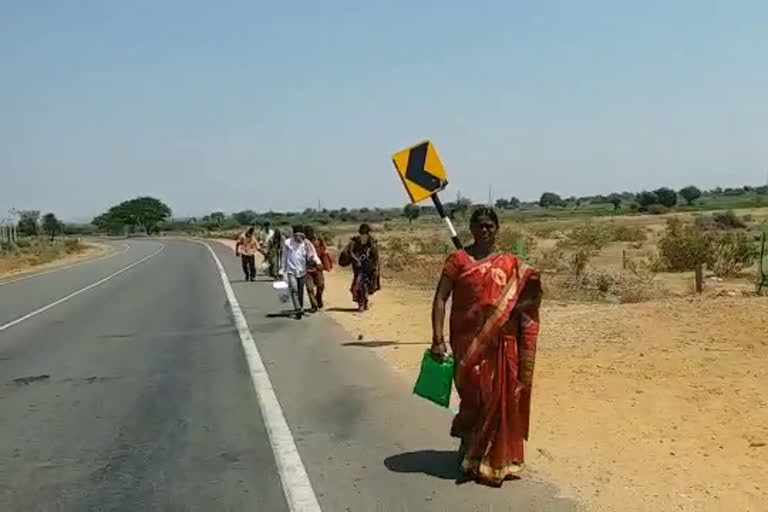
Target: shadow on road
x=377 y=344
x=343 y=310
x=440 y=464
x=281 y=314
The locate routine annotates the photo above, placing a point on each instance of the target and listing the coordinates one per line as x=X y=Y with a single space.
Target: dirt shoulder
x=28 y=262
x=650 y=406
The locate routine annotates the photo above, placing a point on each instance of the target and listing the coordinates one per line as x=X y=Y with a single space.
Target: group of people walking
x=493 y=327
x=302 y=258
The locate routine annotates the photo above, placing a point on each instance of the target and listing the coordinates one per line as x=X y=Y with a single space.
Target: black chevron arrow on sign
x=415 y=172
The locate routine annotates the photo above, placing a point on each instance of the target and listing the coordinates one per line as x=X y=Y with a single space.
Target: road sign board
x=421 y=170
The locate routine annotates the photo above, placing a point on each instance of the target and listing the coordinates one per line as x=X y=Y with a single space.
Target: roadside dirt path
x=12 y=267
x=651 y=406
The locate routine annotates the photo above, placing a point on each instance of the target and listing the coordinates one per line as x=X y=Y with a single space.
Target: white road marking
x=296 y=485
x=78 y=292
x=65 y=267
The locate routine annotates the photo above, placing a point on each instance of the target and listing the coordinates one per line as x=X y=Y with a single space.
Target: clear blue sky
x=234 y=105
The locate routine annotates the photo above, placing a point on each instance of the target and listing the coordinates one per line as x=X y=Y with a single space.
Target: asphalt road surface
x=124 y=385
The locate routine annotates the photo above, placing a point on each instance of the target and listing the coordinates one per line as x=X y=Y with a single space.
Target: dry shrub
x=545 y=230
x=728 y=220
x=592 y=285
x=396 y=261
x=624 y=233
x=73 y=246
x=731 y=253
x=579 y=246
x=553 y=259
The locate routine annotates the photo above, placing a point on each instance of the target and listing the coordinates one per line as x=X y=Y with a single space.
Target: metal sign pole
x=447 y=220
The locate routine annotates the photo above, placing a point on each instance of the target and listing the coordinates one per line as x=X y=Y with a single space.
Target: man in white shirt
x=298 y=253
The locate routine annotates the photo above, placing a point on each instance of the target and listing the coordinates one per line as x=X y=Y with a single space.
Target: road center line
x=65 y=267
x=296 y=485
x=78 y=292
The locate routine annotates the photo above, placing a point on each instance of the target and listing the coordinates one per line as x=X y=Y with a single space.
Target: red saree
x=493 y=329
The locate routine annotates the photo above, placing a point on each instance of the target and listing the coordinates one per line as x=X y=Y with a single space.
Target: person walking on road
x=315 y=279
x=246 y=247
x=273 y=245
x=494 y=326
x=298 y=255
x=362 y=253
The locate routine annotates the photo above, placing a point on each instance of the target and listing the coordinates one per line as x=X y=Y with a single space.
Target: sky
x=236 y=105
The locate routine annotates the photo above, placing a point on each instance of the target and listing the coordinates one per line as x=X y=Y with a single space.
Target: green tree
x=690 y=194
x=51 y=225
x=615 y=200
x=667 y=196
x=411 y=212
x=218 y=219
x=502 y=204
x=462 y=206
x=549 y=199
x=28 y=222
x=246 y=217
x=646 y=199
x=514 y=203
x=142 y=212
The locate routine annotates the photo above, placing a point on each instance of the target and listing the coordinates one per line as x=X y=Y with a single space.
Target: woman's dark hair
x=298 y=229
x=364 y=229
x=484 y=211
x=309 y=231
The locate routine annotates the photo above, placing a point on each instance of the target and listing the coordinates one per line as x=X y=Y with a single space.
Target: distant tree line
x=648 y=201
x=150 y=215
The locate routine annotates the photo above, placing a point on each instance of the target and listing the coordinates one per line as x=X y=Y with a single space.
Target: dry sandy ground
x=657 y=406
x=20 y=266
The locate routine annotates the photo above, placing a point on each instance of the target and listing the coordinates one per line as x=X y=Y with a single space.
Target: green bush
x=657 y=209
x=590 y=235
x=507 y=240
x=683 y=246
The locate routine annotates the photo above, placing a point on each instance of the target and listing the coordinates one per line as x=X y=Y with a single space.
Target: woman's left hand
x=439 y=350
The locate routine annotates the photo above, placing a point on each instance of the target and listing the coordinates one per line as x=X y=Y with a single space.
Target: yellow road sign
x=421 y=170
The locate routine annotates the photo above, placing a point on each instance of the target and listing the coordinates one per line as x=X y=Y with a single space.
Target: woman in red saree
x=493 y=329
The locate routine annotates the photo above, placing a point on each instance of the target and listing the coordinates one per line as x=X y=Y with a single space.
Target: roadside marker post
x=423 y=176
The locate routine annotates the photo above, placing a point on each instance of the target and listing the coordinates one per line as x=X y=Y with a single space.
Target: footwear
x=298 y=316
x=313 y=310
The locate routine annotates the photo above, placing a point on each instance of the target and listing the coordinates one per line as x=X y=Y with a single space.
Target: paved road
x=149 y=402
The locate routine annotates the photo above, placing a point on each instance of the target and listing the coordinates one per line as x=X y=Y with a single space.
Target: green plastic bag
x=435 y=379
